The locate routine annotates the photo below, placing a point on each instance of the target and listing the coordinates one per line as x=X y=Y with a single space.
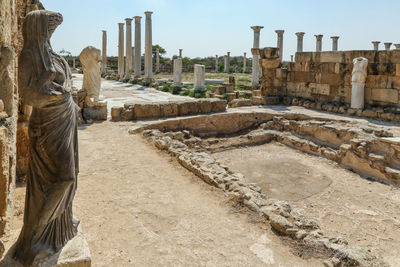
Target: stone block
x=385 y=95
x=187 y=108
x=116 y=113
x=240 y=103
x=270 y=64
x=397 y=69
x=256 y=93
x=22 y=149
x=204 y=106
x=396 y=82
x=378 y=81
x=302 y=76
x=97 y=112
x=231 y=96
x=168 y=110
x=329 y=78
x=320 y=89
x=269 y=53
x=258 y=101
x=331 y=56
x=4 y=177
x=272 y=100
x=303 y=56
x=218 y=105
x=146 y=111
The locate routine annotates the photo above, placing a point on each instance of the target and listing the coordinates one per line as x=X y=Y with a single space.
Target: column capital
x=216 y=55
x=137 y=18
x=121 y=24
x=397 y=46
x=376 y=42
x=128 y=20
x=319 y=36
x=104 y=31
x=388 y=44
x=335 y=37
x=148 y=13
x=280 y=32
x=228 y=53
x=300 y=34
x=257 y=28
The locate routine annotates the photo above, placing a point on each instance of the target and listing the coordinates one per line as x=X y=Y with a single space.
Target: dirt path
x=140 y=208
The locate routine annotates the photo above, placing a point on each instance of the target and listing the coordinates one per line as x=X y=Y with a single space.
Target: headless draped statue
x=90 y=59
x=45 y=84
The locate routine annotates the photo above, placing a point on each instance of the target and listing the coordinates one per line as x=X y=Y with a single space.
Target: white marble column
x=157 y=60
x=121 y=51
x=148 y=53
x=199 y=77
x=376 y=45
x=104 y=54
x=387 y=46
x=291 y=58
x=128 y=62
x=178 y=72
x=225 y=63
x=335 y=43
x=138 y=48
x=216 y=63
x=280 y=42
x=319 y=42
x=133 y=58
x=255 y=65
x=300 y=36
x=228 y=62
x=180 y=52
x=244 y=62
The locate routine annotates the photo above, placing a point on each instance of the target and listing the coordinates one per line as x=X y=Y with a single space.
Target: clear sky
x=209 y=27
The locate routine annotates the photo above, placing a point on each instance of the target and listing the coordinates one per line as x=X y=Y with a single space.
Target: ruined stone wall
x=12 y=13
x=326 y=76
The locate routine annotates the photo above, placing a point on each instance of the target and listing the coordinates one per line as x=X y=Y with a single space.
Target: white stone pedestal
x=199 y=77
x=75 y=253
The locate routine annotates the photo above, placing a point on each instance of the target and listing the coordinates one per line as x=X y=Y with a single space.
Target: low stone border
x=279 y=214
x=138 y=111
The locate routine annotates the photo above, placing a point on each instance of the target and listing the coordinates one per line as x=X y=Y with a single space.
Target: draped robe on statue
x=45 y=84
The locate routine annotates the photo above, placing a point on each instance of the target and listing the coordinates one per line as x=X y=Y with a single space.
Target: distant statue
x=45 y=84
x=359 y=75
x=90 y=59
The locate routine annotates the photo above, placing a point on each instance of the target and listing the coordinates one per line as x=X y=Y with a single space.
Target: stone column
x=255 y=65
x=121 y=51
x=157 y=60
x=359 y=75
x=133 y=58
x=300 y=36
x=199 y=77
x=73 y=63
x=128 y=63
x=291 y=58
x=376 y=45
x=216 y=63
x=280 y=42
x=319 y=42
x=244 y=62
x=138 y=48
x=180 y=52
x=228 y=62
x=387 y=46
x=335 y=43
x=225 y=63
x=104 y=54
x=178 y=72
x=397 y=46
x=148 y=53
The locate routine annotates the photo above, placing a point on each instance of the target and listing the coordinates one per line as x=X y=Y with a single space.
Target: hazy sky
x=209 y=27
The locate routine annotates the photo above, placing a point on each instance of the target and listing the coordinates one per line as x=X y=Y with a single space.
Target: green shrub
x=166 y=87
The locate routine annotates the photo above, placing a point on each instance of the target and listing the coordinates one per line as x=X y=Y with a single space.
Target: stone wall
x=12 y=13
x=326 y=76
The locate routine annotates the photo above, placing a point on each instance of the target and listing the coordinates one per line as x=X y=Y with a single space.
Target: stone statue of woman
x=45 y=84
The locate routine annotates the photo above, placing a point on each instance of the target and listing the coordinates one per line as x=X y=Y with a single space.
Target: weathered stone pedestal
x=75 y=253
x=96 y=111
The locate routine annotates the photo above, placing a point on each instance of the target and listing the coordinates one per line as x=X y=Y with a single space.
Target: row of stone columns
x=387 y=45
x=131 y=61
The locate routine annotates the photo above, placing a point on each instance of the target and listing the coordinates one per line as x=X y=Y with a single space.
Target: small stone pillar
x=73 y=63
x=178 y=72
x=335 y=43
x=90 y=59
x=121 y=51
x=138 y=50
x=280 y=42
x=255 y=65
x=225 y=63
x=199 y=77
x=216 y=63
x=291 y=58
x=157 y=60
x=359 y=75
x=104 y=54
x=319 y=42
x=228 y=62
x=133 y=58
x=148 y=56
x=128 y=60
x=387 y=46
x=270 y=86
x=180 y=52
x=376 y=45
x=397 y=46
x=244 y=62
x=300 y=36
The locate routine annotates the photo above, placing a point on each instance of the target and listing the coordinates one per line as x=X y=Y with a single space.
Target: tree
x=65 y=53
x=162 y=51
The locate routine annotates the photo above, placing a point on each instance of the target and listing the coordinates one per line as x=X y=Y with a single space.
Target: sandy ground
x=139 y=207
x=363 y=212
